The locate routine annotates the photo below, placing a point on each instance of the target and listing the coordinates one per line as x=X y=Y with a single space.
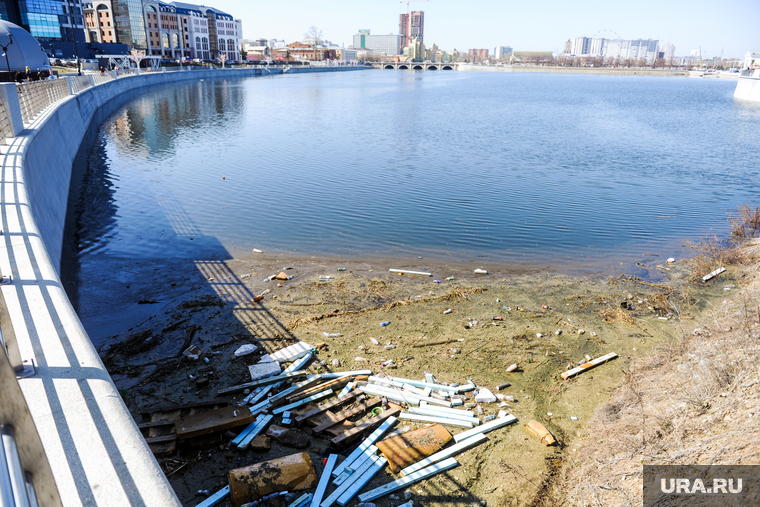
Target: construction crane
x=409 y=18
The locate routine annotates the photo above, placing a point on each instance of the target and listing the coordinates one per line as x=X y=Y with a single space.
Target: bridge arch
x=403 y=67
x=432 y=67
x=418 y=67
x=388 y=67
x=447 y=67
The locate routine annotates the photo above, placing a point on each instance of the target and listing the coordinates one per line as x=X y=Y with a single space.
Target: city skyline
x=688 y=25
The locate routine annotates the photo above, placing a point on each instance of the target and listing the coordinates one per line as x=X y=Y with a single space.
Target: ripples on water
x=544 y=168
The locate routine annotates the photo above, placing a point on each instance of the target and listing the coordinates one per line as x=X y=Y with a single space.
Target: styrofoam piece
x=473 y=441
x=244 y=350
x=313 y=397
x=457 y=402
x=256 y=431
x=459 y=423
x=265 y=368
x=485 y=428
x=423 y=385
x=246 y=431
x=354 y=465
x=434 y=413
x=302 y=500
x=215 y=498
x=485 y=396
x=347 y=484
x=366 y=445
x=361 y=481
x=324 y=480
x=292 y=352
x=409 y=479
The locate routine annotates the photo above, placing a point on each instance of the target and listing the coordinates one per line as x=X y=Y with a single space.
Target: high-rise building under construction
x=411 y=26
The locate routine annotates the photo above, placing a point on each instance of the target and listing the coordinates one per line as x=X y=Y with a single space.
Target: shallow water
x=520 y=168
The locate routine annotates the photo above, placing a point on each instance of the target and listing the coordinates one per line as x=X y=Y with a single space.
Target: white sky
x=731 y=26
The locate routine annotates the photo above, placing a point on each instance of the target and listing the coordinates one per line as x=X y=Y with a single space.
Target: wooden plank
x=403 y=450
x=366 y=445
x=485 y=428
x=539 y=431
x=409 y=479
x=338 y=429
x=262 y=382
x=169 y=408
x=292 y=390
x=213 y=420
x=436 y=420
x=343 y=487
x=348 y=436
x=324 y=480
x=313 y=397
x=158 y=440
x=324 y=408
x=168 y=422
x=446 y=453
x=587 y=366
x=362 y=480
x=713 y=274
x=346 y=414
x=215 y=498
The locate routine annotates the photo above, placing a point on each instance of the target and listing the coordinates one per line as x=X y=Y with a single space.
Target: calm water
x=539 y=168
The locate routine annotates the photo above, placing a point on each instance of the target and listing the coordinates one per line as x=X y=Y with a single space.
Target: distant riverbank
x=577 y=70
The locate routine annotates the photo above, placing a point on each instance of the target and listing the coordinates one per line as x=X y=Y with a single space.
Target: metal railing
x=103 y=78
x=37 y=96
x=80 y=83
x=26 y=478
x=6 y=129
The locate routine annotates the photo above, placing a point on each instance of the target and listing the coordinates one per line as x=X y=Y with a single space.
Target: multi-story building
x=502 y=52
x=47 y=20
x=171 y=29
x=478 y=55
x=411 y=26
x=388 y=45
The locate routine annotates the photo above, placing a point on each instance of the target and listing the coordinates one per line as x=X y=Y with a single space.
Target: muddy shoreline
x=146 y=313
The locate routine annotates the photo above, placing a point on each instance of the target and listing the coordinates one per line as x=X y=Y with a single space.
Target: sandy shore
x=549 y=321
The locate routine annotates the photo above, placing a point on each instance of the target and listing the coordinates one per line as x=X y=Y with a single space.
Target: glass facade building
x=46 y=20
x=130 y=23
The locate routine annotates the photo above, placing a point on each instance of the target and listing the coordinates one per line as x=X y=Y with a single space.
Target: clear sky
x=731 y=26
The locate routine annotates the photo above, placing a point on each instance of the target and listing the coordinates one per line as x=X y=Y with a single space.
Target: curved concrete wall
x=95 y=449
x=748 y=88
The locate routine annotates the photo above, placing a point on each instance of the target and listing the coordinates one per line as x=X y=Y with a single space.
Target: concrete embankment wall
x=748 y=88
x=97 y=453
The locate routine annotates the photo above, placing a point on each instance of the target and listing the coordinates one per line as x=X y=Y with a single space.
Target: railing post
x=68 y=81
x=113 y=73
x=92 y=79
x=9 y=97
x=163 y=70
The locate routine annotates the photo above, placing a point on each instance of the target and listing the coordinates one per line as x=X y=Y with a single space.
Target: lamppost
x=76 y=50
x=5 y=52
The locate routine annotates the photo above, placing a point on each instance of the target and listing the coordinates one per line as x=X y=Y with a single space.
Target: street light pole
x=5 y=53
x=76 y=50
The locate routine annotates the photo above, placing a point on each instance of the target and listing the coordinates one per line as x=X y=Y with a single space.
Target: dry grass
x=713 y=254
x=695 y=400
x=616 y=315
x=746 y=223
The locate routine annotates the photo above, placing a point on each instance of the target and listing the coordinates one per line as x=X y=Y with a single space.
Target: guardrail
x=37 y=96
x=80 y=83
x=6 y=128
x=26 y=478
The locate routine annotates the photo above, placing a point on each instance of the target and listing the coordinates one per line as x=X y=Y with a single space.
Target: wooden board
x=291 y=473
x=349 y=436
x=540 y=432
x=587 y=366
x=403 y=450
x=307 y=414
x=346 y=414
x=339 y=429
x=336 y=384
x=170 y=408
x=213 y=420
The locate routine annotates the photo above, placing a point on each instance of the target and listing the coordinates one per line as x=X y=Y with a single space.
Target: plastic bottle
x=489 y=418
x=385 y=323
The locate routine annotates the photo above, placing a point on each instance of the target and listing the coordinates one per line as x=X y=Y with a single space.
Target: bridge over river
x=416 y=66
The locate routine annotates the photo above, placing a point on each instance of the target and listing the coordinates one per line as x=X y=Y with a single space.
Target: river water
x=515 y=167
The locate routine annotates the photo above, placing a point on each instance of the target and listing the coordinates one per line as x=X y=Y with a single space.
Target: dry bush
x=746 y=224
x=616 y=315
x=713 y=254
